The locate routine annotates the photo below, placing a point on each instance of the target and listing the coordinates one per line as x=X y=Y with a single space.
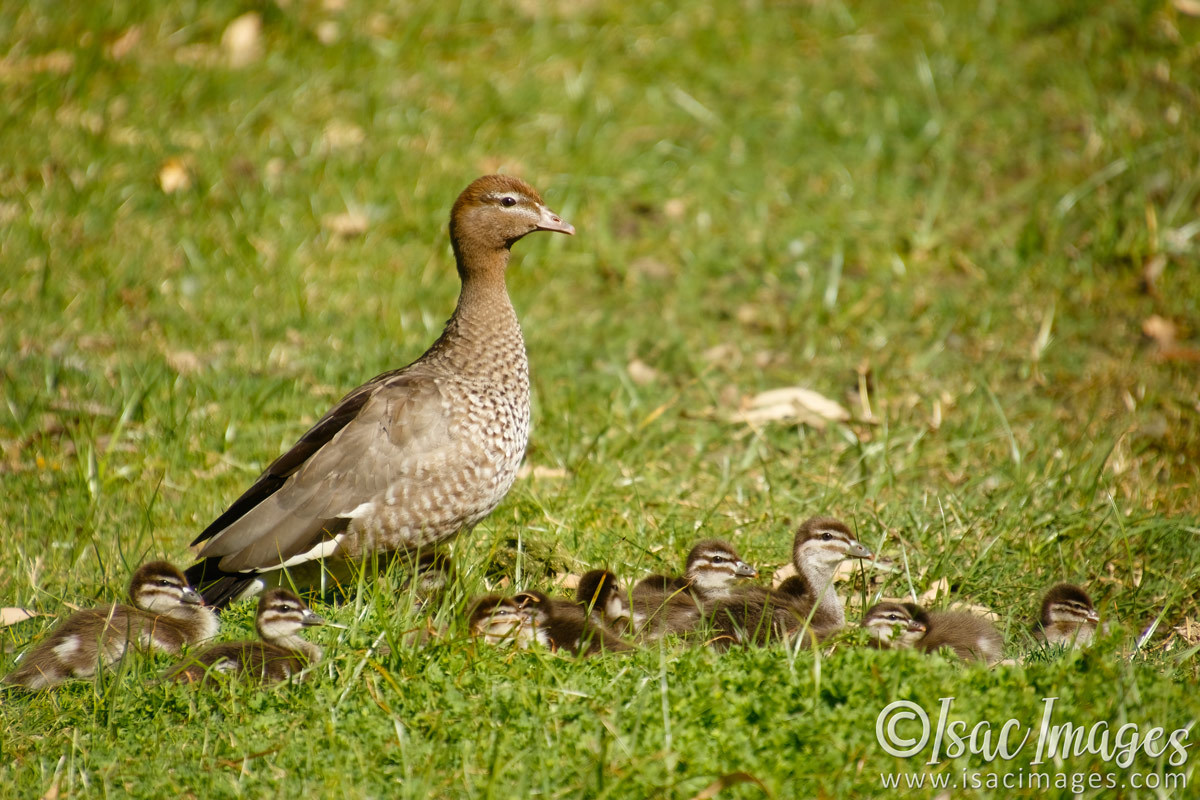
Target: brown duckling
x=662 y=605
x=600 y=594
x=1068 y=617
x=280 y=654
x=895 y=626
x=164 y=614
x=532 y=617
x=713 y=568
x=971 y=637
x=807 y=601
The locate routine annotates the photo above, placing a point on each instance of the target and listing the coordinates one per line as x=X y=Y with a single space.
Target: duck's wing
x=341 y=469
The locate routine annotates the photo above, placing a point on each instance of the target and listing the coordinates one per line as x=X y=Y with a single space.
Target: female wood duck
x=164 y=614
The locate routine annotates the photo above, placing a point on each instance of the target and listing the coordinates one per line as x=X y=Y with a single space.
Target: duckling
x=600 y=594
x=905 y=625
x=895 y=626
x=503 y=620
x=712 y=569
x=165 y=614
x=662 y=605
x=972 y=638
x=280 y=654
x=756 y=615
x=532 y=616
x=1068 y=617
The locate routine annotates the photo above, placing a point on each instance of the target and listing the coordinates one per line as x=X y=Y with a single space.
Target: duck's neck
x=827 y=604
x=295 y=643
x=483 y=330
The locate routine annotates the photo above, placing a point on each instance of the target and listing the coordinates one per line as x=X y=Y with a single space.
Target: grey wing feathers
x=395 y=435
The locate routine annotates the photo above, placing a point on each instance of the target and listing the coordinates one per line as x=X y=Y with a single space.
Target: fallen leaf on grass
x=791 y=404
x=347 y=225
x=725 y=781
x=242 y=40
x=125 y=43
x=11 y=616
x=1160 y=330
x=937 y=590
x=173 y=176
x=541 y=473
x=641 y=373
x=567 y=580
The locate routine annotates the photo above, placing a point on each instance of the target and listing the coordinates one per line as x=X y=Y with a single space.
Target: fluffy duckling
x=971 y=637
x=902 y=625
x=712 y=569
x=1068 y=617
x=661 y=605
x=164 y=614
x=280 y=654
x=895 y=626
x=809 y=600
x=533 y=618
x=600 y=594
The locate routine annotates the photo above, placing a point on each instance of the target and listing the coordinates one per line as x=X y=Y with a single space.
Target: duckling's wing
x=396 y=436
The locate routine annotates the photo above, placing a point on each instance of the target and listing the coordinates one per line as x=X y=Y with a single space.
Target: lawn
x=974 y=225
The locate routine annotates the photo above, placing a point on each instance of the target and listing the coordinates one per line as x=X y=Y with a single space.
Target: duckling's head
x=896 y=624
x=160 y=588
x=600 y=591
x=281 y=615
x=1067 y=604
x=823 y=542
x=516 y=620
x=713 y=565
x=494 y=212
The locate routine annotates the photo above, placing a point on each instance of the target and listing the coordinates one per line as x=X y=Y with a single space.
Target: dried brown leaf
x=541 y=473
x=938 y=589
x=791 y=404
x=347 y=225
x=567 y=580
x=125 y=43
x=173 y=176
x=725 y=781
x=641 y=373
x=1160 y=330
x=11 y=616
x=242 y=40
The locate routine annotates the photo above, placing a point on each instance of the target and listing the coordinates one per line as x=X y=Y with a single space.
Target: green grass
x=960 y=200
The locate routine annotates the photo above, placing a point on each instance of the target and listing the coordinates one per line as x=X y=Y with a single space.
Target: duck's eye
x=163 y=582
x=827 y=537
x=508 y=200
x=718 y=559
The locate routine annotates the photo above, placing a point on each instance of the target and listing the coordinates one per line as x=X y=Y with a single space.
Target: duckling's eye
x=827 y=537
x=508 y=200
x=163 y=582
x=718 y=559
